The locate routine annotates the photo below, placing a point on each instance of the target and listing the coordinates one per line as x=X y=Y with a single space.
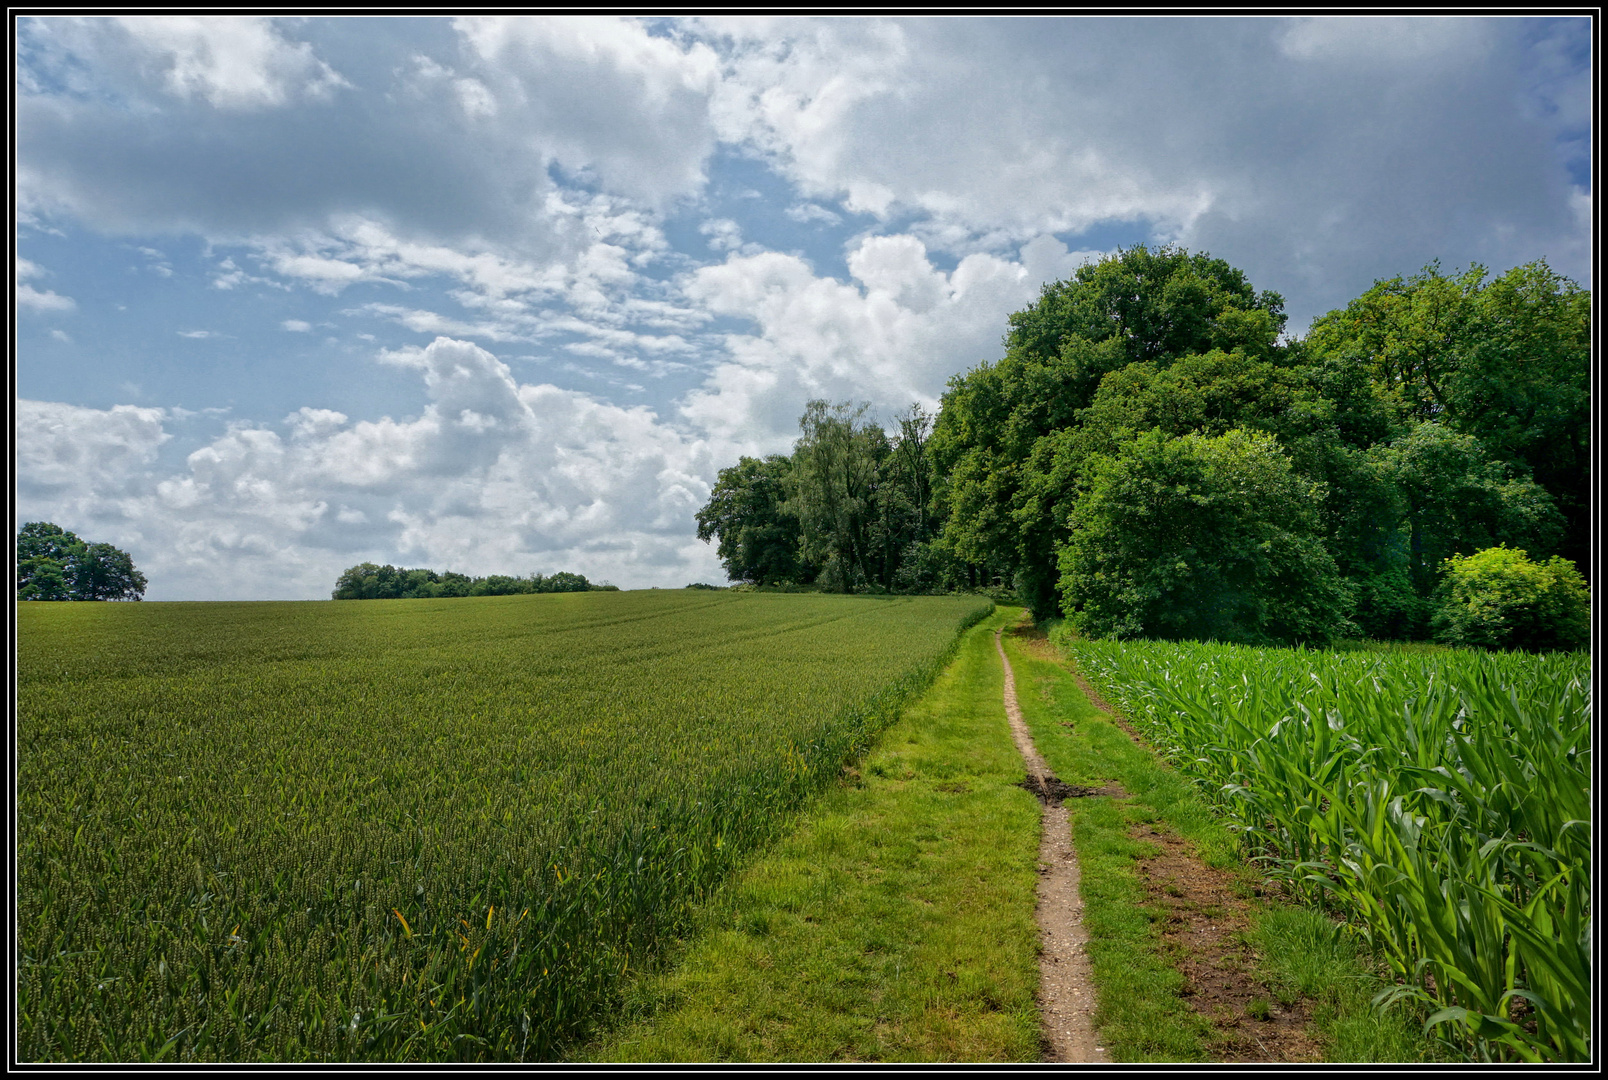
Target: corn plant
x=1441 y=801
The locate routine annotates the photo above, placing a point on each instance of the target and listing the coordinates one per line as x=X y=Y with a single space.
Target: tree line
x=369 y=581
x=54 y=564
x=1153 y=456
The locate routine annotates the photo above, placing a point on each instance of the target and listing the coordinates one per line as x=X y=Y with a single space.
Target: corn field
x=412 y=829
x=1440 y=801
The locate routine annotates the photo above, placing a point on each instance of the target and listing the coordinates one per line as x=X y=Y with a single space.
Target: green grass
x=1140 y=1015
x=895 y=924
x=411 y=829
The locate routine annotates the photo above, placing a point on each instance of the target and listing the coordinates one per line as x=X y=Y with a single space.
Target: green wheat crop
x=412 y=829
x=1440 y=801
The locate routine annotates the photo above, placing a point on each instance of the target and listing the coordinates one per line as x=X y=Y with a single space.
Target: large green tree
x=1458 y=497
x=55 y=564
x=756 y=532
x=832 y=491
x=1201 y=537
x=1136 y=307
x=851 y=509
x=1506 y=361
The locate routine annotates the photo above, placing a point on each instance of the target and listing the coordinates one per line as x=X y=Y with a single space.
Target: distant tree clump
x=54 y=564
x=370 y=581
x=1500 y=598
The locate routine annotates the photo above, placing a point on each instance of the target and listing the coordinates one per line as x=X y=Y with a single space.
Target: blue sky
x=504 y=295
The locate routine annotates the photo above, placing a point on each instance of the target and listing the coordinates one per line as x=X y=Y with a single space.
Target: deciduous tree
x=54 y=564
x=1204 y=538
x=756 y=533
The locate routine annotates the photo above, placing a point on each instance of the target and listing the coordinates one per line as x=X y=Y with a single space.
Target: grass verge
x=1145 y=1011
x=895 y=924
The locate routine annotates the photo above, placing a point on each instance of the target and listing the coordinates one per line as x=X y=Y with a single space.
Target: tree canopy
x=54 y=564
x=1201 y=537
x=758 y=533
x=1151 y=455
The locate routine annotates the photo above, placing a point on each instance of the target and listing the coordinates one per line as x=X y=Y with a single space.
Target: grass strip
x=1141 y=1014
x=895 y=924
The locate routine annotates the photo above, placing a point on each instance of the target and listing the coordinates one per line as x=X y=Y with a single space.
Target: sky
x=504 y=295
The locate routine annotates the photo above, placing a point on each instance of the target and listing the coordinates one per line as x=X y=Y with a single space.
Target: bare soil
x=1205 y=919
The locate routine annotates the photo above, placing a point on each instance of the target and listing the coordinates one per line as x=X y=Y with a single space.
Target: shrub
x=1501 y=599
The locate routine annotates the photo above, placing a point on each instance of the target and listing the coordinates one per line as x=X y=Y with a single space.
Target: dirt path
x=1066 y=989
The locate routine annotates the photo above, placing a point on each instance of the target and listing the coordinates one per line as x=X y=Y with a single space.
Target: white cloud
x=81 y=456
x=29 y=297
x=493 y=476
x=32 y=298
x=298 y=326
x=894 y=342
x=805 y=213
x=230 y=61
x=724 y=234
x=600 y=94
x=198 y=334
x=1316 y=155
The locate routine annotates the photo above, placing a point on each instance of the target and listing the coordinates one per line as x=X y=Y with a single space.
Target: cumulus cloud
x=1315 y=153
x=1310 y=152
x=724 y=234
x=230 y=62
x=31 y=298
x=62 y=447
x=599 y=94
x=492 y=476
x=238 y=127
x=893 y=339
x=808 y=212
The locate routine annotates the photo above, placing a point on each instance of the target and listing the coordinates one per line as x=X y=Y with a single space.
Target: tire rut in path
x=1066 y=988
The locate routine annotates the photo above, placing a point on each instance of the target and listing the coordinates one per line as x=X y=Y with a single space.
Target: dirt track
x=1066 y=990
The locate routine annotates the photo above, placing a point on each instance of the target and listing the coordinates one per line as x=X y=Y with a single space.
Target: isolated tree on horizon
x=55 y=564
